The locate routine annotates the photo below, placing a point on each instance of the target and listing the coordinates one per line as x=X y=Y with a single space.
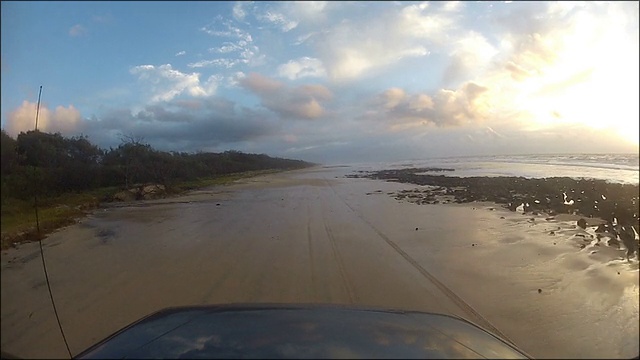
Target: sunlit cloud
x=430 y=75
x=301 y=102
x=398 y=110
x=61 y=119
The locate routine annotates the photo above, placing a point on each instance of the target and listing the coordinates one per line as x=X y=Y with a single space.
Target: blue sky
x=330 y=82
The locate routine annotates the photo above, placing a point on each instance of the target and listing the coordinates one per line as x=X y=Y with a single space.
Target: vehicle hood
x=301 y=331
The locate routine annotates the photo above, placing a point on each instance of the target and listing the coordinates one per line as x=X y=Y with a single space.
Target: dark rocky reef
x=554 y=195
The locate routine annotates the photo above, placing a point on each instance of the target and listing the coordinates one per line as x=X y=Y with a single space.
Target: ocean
x=615 y=168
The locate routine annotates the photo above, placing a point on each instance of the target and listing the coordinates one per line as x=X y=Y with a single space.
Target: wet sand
x=314 y=236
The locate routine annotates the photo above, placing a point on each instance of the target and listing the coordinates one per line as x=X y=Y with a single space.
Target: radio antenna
x=44 y=264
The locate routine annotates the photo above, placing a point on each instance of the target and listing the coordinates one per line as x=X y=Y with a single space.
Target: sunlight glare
x=593 y=82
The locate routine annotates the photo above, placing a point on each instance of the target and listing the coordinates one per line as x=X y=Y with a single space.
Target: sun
x=593 y=82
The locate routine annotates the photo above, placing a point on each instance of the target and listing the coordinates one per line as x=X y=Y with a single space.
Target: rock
x=152 y=191
x=582 y=223
x=613 y=243
x=124 y=196
x=511 y=192
x=539 y=291
x=628 y=237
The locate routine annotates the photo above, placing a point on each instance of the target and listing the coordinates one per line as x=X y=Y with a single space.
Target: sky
x=328 y=82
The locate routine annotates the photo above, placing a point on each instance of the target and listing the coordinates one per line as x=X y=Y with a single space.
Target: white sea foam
x=617 y=168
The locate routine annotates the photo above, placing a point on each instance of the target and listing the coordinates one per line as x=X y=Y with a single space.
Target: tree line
x=54 y=164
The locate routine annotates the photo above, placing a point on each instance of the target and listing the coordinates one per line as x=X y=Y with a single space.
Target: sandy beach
x=317 y=236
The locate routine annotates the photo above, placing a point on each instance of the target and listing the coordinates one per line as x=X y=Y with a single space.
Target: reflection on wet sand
x=314 y=236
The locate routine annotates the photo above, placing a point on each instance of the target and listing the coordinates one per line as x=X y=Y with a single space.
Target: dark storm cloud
x=182 y=126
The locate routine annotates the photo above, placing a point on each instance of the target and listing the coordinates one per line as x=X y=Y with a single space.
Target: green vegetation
x=70 y=176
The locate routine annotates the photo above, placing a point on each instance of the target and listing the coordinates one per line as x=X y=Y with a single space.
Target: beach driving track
x=276 y=240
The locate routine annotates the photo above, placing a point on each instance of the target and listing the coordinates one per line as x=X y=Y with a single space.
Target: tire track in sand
x=348 y=286
x=463 y=305
x=312 y=265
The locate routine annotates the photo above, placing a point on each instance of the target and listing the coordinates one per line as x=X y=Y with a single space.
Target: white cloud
x=279 y=20
x=367 y=41
x=238 y=10
x=289 y=15
x=226 y=63
x=167 y=83
x=419 y=21
x=452 y=6
x=228 y=47
x=470 y=56
x=310 y=9
x=302 y=67
x=180 y=53
x=303 y=38
x=241 y=50
x=351 y=53
x=77 y=30
x=229 y=31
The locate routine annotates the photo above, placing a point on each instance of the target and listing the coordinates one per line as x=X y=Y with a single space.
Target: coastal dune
x=316 y=236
